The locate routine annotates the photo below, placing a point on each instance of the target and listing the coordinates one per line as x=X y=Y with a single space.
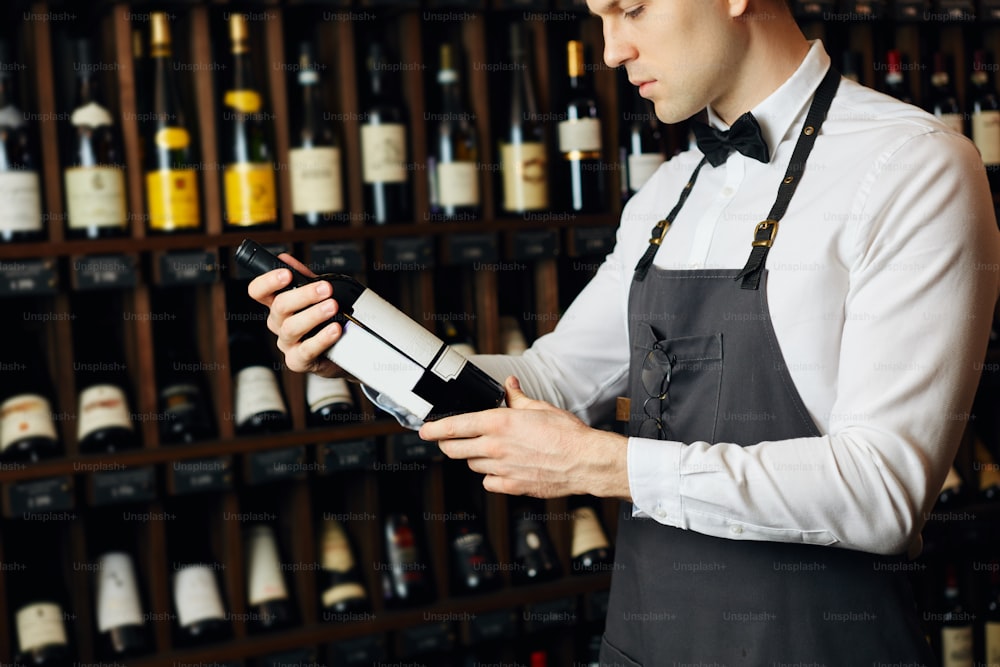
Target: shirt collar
x=782 y=107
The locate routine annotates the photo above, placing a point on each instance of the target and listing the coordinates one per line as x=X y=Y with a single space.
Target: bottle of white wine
x=455 y=175
x=523 y=160
x=248 y=176
x=21 y=214
x=343 y=591
x=259 y=406
x=37 y=594
x=384 y=144
x=95 y=166
x=121 y=626
x=267 y=594
x=171 y=179
x=27 y=429
x=388 y=351
x=580 y=139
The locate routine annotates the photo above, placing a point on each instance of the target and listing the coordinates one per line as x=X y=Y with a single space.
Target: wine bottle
x=384 y=144
x=259 y=404
x=645 y=148
x=590 y=550
x=197 y=596
x=37 y=594
x=523 y=160
x=104 y=420
x=991 y=619
x=171 y=178
x=475 y=569
x=342 y=591
x=121 y=626
x=535 y=558
x=314 y=161
x=21 y=214
x=267 y=595
x=184 y=404
x=941 y=100
x=984 y=109
x=248 y=175
x=406 y=577
x=330 y=401
x=388 y=351
x=956 y=626
x=896 y=81
x=455 y=172
x=27 y=429
x=580 y=138
x=94 y=177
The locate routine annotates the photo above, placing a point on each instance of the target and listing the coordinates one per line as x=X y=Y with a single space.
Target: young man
x=797 y=385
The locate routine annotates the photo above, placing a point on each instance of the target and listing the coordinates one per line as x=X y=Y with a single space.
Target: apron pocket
x=678 y=387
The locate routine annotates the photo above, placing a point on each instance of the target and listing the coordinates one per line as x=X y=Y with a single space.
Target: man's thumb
x=516 y=398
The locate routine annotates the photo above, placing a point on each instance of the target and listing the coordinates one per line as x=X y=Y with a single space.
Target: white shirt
x=882 y=283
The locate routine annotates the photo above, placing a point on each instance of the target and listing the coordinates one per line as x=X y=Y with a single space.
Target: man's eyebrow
x=607 y=8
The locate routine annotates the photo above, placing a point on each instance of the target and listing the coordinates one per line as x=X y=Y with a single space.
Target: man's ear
x=738 y=8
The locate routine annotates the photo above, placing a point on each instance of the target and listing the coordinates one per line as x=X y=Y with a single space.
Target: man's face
x=684 y=53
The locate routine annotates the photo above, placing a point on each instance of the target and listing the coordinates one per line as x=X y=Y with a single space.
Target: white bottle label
x=458 y=184
x=336 y=551
x=90 y=115
x=117 y=592
x=525 y=176
x=641 y=167
x=265 y=582
x=956 y=647
x=40 y=625
x=22 y=202
x=383 y=153
x=95 y=196
x=196 y=595
x=986 y=135
x=992 y=632
x=316 y=180
x=257 y=391
x=587 y=532
x=340 y=592
x=583 y=134
x=25 y=416
x=102 y=406
x=322 y=391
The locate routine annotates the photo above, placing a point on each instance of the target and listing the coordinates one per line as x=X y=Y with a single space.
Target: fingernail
x=328 y=308
x=322 y=288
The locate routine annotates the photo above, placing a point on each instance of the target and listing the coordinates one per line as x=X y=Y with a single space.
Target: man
x=796 y=386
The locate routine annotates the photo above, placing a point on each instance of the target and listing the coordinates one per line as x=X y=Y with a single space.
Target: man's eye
x=634 y=13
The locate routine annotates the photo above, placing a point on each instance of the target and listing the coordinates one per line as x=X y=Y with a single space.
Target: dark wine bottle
x=475 y=569
x=388 y=351
x=121 y=626
x=984 y=110
x=20 y=192
x=197 y=596
x=259 y=405
x=183 y=401
x=314 y=161
x=248 y=175
x=535 y=558
x=942 y=101
x=27 y=429
x=956 y=625
x=269 y=603
x=384 y=144
x=523 y=160
x=171 y=178
x=580 y=139
x=37 y=596
x=104 y=420
x=94 y=176
x=342 y=591
x=455 y=164
x=645 y=147
x=590 y=550
x=896 y=82
x=330 y=401
x=406 y=577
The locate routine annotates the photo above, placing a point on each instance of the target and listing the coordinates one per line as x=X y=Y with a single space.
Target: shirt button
x=736 y=530
x=661 y=514
x=727 y=192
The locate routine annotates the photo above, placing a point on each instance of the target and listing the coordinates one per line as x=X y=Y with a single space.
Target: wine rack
x=545 y=259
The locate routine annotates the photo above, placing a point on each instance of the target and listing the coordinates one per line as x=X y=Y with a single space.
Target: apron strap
x=765 y=231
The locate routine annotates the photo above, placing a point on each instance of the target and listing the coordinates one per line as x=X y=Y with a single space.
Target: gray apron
x=713 y=372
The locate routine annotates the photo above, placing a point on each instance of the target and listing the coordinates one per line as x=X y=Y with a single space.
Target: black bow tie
x=744 y=136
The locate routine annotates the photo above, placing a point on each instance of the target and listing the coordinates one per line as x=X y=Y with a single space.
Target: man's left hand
x=534 y=448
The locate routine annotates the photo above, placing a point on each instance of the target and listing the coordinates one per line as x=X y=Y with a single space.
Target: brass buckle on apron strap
x=763 y=235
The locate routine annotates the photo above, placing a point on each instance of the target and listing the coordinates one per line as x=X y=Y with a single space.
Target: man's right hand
x=295 y=313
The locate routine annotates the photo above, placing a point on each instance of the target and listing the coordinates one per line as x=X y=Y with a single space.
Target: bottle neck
x=311 y=111
x=86 y=89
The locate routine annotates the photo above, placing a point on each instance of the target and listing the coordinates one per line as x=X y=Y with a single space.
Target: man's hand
x=295 y=313
x=534 y=448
